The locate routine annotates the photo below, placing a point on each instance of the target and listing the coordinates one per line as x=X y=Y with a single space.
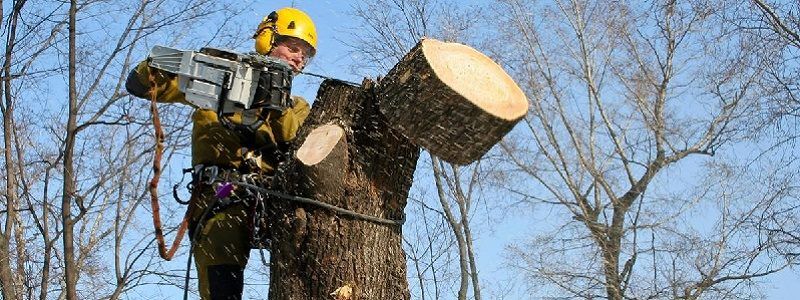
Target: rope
x=165 y=253
x=350 y=83
x=188 y=271
x=336 y=209
x=197 y=228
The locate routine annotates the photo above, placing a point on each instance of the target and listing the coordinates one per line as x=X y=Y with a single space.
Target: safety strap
x=165 y=253
x=335 y=209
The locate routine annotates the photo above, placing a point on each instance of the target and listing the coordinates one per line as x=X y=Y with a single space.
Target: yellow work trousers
x=221 y=247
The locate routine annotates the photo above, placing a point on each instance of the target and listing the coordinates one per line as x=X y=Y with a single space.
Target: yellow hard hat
x=286 y=21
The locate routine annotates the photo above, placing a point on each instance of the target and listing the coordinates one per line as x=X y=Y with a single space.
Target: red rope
x=165 y=253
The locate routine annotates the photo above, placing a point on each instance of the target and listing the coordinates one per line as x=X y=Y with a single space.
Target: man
x=221 y=239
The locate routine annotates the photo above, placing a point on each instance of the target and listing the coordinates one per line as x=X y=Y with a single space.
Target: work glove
x=274 y=87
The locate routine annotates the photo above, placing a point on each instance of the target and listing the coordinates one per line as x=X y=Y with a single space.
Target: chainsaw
x=225 y=81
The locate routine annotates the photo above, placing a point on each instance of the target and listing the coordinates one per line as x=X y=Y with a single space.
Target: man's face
x=292 y=50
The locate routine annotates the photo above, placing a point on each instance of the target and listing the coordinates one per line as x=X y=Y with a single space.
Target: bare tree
x=781 y=20
x=11 y=283
x=778 y=224
x=621 y=96
x=428 y=247
x=98 y=105
x=92 y=151
x=775 y=26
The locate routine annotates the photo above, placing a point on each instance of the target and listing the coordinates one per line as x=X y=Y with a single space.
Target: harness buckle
x=214 y=172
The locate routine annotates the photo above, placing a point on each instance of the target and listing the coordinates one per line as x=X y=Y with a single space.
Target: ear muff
x=265 y=34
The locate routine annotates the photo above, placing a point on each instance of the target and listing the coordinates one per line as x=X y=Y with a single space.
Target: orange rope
x=153 y=186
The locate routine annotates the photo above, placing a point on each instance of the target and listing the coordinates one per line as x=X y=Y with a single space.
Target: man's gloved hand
x=138 y=81
x=274 y=86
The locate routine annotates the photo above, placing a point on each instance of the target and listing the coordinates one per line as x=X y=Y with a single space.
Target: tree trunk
x=6 y=275
x=346 y=156
x=9 y=285
x=68 y=223
x=451 y=99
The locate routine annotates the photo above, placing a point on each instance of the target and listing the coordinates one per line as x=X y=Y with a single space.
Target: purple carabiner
x=225 y=190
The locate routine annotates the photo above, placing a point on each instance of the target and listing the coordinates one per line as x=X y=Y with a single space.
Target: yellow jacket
x=212 y=142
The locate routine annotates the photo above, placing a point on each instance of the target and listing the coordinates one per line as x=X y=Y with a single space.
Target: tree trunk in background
x=68 y=223
x=10 y=286
x=367 y=168
x=6 y=276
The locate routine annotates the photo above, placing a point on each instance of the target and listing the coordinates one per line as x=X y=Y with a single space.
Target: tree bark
x=364 y=166
x=10 y=286
x=68 y=223
x=451 y=99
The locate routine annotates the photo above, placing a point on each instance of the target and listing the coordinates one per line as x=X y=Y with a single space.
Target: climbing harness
x=252 y=186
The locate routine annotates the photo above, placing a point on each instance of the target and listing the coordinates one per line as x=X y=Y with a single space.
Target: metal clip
x=249 y=179
x=214 y=170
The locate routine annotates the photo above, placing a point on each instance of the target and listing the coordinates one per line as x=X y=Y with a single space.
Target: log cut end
x=319 y=144
x=477 y=78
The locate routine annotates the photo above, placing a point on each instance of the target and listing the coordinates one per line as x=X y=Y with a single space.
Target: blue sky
x=334 y=24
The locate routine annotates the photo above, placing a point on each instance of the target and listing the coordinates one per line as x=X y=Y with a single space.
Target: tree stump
x=345 y=155
x=451 y=99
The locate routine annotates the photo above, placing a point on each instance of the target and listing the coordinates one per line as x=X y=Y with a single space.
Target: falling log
x=451 y=99
x=346 y=156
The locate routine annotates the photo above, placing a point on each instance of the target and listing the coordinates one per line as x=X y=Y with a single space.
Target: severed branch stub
x=323 y=155
x=319 y=144
x=451 y=100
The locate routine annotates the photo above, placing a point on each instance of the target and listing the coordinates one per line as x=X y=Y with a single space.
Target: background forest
x=658 y=159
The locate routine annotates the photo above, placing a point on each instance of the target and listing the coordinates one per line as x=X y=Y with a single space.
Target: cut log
x=451 y=99
x=347 y=156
